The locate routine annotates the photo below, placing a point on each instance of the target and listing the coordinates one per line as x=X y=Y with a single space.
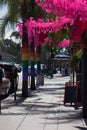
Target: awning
x=62 y=56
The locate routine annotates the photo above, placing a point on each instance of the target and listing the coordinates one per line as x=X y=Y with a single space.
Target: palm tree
x=22 y=10
x=15 y=34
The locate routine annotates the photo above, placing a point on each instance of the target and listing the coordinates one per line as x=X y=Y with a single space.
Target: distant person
x=66 y=71
x=63 y=71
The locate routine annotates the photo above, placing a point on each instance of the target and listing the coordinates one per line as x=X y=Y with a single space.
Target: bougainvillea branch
x=69 y=8
x=64 y=43
x=39 y=28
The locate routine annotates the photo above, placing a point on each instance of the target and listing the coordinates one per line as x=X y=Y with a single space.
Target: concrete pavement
x=43 y=110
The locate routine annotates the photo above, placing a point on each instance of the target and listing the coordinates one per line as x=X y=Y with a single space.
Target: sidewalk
x=42 y=110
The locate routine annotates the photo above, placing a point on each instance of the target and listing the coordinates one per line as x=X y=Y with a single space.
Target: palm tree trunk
x=25 y=55
x=25 y=15
x=25 y=62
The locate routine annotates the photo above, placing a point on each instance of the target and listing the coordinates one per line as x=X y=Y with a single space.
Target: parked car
x=5 y=85
x=11 y=72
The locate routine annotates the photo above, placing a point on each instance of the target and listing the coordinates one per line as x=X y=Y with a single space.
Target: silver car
x=5 y=86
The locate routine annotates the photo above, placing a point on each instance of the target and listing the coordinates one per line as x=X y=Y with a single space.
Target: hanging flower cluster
x=38 y=29
x=74 y=9
x=68 y=8
x=51 y=42
x=64 y=43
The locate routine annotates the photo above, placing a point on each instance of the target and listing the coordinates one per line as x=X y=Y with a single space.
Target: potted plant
x=74 y=61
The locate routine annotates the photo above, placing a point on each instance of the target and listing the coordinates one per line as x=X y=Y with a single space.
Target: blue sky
x=3 y=11
x=8 y=30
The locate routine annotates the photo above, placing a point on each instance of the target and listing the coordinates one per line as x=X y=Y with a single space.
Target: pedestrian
x=63 y=71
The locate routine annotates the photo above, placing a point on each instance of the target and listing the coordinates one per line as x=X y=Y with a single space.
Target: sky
x=3 y=11
x=8 y=30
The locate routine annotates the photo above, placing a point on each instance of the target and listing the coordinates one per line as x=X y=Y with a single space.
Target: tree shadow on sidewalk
x=81 y=128
x=35 y=105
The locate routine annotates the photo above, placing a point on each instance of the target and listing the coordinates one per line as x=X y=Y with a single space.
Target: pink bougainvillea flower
x=69 y=8
x=64 y=43
x=38 y=29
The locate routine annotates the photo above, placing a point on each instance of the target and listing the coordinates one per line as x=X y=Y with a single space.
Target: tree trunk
x=25 y=55
x=38 y=51
x=25 y=62
x=38 y=54
x=32 y=56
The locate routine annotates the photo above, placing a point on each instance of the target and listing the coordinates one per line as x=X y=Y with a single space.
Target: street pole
x=84 y=76
x=84 y=86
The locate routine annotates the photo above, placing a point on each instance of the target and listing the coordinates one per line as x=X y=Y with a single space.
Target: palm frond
x=15 y=34
x=3 y=24
x=11 y=18
x=6 y=21
x=3 y=2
